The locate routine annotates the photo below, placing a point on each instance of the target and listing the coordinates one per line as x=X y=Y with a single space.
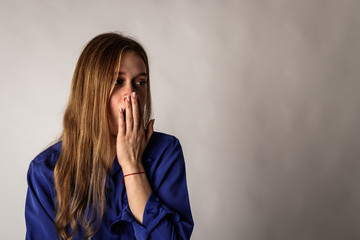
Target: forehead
x=130 y=62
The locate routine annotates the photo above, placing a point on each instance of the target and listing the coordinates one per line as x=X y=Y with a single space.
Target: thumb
x=150 y=129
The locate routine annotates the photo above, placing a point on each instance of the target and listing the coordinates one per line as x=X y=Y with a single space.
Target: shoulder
x=44 y=163
x=164 y=151
x=162 y=142
x=41 y=191
x=163 y=139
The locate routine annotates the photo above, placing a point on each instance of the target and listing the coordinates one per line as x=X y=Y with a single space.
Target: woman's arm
x=130 y=144
x=138 y=191
x=167 y=214
x=163 y=213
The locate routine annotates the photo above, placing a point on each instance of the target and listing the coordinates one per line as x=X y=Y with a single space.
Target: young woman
x=110 y=176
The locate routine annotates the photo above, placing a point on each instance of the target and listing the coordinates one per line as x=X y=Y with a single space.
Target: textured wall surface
x=263 y=95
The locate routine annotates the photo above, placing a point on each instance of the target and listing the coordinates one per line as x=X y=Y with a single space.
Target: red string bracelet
x=122 y=181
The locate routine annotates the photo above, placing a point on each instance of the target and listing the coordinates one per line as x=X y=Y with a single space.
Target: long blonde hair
x=87 y=152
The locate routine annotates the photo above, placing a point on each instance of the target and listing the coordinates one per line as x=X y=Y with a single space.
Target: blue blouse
x=167 y=213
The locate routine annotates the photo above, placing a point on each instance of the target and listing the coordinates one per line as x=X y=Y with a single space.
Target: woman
x=108 y=177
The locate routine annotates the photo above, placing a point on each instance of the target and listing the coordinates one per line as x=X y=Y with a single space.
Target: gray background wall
x=263 y=95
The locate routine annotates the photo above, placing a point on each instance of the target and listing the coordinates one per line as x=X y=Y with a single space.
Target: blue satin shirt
x=167 y=213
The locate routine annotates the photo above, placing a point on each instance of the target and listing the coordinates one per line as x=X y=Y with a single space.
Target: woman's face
x=131 y=77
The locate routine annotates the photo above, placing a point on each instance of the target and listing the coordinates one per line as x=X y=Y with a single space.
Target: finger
x=121 y=122
x=129 y=115
x=141 y=122
x=135 y=108
x=150 y=130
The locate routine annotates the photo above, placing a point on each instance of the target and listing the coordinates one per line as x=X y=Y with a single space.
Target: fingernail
x=128 y=98
x=121 y=110
x=134 y=94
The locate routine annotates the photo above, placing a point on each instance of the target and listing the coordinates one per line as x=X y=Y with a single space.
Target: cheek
x=112 y=108
x=113 y=115
x=142 y=96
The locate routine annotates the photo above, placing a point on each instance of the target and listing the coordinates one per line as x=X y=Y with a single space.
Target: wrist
x=132 y=168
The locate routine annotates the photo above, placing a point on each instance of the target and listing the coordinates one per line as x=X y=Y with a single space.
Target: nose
x=128 y=90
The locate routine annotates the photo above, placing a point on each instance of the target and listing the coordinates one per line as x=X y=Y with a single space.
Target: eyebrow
x=138 y=75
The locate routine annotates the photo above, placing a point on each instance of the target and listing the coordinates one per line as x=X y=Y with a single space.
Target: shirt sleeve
x=167 y=214
x=39 y=212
